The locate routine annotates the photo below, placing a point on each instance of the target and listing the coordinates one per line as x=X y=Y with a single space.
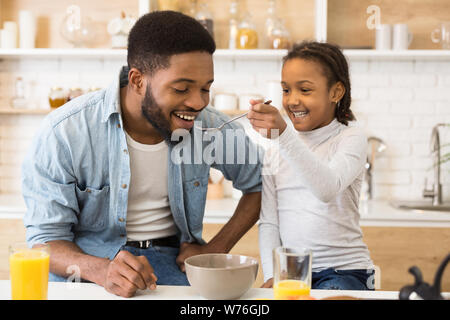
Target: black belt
x=171 y=241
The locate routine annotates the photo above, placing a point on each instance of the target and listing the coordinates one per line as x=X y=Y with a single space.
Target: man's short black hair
x=158 y=35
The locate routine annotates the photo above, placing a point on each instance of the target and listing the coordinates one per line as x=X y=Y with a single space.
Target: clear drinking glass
x=29 y=269
x=292 y=273
x=442 y=35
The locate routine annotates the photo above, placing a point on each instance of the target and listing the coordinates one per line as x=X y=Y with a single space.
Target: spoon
x=231 y=120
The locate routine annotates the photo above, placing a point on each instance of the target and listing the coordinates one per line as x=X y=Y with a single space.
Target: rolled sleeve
x=48 y=189
x=245 y=166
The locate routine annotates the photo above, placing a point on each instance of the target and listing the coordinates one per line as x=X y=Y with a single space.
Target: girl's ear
x=337 y=91
x=136 y=81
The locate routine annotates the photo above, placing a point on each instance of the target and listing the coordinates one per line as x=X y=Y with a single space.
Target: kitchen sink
x=420 y=205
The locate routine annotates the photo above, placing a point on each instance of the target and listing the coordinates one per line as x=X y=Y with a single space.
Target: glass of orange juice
x=291 y=273
x=29 y=269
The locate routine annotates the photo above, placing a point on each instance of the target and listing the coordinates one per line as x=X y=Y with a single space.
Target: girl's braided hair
x=335 y=67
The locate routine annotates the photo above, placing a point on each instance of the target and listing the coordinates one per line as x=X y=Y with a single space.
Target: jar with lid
x=279 y=37
x=247 y=37
x=73 y=93
x=19 y=101
x=276 y=34
x=204 y=16
x=57 y=97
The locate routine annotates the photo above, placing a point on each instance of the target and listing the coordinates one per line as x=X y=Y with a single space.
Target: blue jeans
x=162 y=259
x=331 y=279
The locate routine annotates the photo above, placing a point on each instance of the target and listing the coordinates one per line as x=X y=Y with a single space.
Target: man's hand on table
x=126 y=273
x=188 y=250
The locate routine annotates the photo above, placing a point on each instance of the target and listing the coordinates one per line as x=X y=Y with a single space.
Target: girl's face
x=306 y=97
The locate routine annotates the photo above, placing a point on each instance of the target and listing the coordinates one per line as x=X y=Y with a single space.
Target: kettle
x=423 y=289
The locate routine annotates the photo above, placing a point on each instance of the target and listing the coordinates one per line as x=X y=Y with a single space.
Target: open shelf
x=256 y=54
x=12 y=111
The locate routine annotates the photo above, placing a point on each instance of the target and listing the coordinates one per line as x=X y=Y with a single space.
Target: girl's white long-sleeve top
x=311 y=184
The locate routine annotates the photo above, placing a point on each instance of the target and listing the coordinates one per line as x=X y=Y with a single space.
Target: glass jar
x=247 y=37
x=19 y=101
x=204 y=16
x=279 y=37
x=276 y=35
x=57 y=97
x=74 y=92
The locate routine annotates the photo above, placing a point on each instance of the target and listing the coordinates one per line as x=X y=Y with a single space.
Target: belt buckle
x=143 y=244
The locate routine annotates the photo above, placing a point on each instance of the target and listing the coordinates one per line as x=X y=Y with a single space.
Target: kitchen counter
x=377 y=213
x=90 y=291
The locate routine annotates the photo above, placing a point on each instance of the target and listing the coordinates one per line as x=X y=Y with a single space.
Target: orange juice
x=290 y=290
x=29 y=274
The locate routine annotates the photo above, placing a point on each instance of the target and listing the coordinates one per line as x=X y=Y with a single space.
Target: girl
x=311 y=199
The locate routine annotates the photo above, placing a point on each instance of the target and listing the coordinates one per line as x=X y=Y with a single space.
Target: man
x=100 y=183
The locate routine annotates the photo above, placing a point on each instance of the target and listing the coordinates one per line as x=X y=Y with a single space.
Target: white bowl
x=220 y=276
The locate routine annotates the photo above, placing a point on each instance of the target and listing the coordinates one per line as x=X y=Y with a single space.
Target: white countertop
x=378 y=213
x=90 y=291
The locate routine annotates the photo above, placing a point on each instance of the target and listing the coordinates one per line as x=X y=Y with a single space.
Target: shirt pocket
x=195 y=201
x=94 y=208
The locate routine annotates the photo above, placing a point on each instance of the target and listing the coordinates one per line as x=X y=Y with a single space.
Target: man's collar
x=111 y=104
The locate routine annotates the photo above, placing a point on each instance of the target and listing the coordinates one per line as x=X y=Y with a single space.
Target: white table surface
x=90 y=291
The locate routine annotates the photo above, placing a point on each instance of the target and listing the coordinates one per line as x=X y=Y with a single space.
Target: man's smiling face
x=175 y=95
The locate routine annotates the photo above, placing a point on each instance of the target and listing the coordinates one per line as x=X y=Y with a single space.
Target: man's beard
x=153 y=113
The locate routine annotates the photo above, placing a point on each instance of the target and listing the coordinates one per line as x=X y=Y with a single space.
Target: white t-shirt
x=148 y=215
x=311 y=199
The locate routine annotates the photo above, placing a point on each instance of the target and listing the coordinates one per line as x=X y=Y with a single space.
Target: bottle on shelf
x=280 y=37
x=205 y=17
x=247 y=37
x=270 y=22
x=19 y=101
x=74 y=92
x=57 y=97
x=276 y=34
x=233 y=25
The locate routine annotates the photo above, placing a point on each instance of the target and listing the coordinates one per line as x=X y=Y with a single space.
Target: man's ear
x=136 y=81
x=337 y=91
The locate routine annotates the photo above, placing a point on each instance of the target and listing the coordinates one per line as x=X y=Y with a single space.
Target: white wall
x=397 y=101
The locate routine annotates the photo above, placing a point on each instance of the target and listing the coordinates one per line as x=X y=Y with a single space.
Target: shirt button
x=125 y=151
x=118 y=125
x=122 y=236
x=121 y=219
x=124 y=186
x=88 y=190
x=196 y=183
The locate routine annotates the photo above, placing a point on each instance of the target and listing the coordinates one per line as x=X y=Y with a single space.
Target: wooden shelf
x=257 y=54
x=44 y=53
x=12 y=111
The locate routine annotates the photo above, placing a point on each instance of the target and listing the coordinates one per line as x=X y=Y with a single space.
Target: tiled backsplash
x=397 y=101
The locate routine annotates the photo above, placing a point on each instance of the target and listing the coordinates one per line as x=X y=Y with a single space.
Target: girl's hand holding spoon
x=265 y=119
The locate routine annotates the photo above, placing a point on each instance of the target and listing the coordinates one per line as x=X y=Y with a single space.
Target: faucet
x=376 y=146
x=436 y=191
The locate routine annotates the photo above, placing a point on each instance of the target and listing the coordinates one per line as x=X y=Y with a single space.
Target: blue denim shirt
x=76 y=175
